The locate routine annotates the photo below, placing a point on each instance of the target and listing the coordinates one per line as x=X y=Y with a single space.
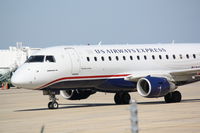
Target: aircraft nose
x=19 y=80
x=16 y=81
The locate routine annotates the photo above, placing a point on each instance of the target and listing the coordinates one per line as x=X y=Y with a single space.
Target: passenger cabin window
x=187 y=56
x=102 y=58
x=194 y=56
x=88 y=59
x=35 y=58
x=117 y=58
x=160 y=57
x=145 y=57
x=109 y=58
x=124 y=58
x=131 y=57
x=95 y=58
x=138 y=57
x=167 y=57
x=174 y=57
x=50 y=59
x=153 y=57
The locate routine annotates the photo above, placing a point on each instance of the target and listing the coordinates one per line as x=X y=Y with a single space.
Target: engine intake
x=76 y=94
x=152 y=87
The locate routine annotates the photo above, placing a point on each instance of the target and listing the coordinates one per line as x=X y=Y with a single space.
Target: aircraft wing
x=186 y=71
x=180 y=75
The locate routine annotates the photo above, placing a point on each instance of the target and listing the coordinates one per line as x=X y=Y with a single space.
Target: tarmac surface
x=25 y=111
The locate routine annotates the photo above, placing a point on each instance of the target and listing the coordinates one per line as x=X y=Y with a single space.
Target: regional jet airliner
x=76 y=72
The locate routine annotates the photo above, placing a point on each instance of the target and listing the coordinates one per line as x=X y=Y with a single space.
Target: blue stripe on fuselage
x=117 y=84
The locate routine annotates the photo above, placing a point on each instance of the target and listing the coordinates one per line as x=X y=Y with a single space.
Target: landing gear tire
x=177 y=96
x=117 y=98
x=173 y=97
x=52 y=97
x=122 y=98
x=52 y=105
x=168 y=98
x=126 y=98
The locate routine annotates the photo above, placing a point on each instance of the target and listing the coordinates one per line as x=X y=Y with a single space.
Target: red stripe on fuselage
x=83 y=77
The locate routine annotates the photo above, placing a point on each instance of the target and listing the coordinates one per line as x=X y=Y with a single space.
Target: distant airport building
x=12 y=58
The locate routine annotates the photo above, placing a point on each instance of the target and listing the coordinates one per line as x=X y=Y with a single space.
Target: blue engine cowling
x=152 y=87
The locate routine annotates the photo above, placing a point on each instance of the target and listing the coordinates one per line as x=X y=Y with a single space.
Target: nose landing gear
x=53 y=104
x=52 y=97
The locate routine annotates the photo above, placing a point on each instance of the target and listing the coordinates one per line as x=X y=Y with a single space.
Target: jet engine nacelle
x=152 y=87
x=76 y=94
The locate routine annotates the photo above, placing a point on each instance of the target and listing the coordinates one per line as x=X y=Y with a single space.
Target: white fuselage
x=91 y=66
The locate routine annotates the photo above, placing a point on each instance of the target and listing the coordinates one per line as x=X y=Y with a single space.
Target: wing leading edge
x=173 y=76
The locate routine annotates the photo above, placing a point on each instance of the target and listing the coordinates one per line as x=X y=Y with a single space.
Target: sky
x=44 y=23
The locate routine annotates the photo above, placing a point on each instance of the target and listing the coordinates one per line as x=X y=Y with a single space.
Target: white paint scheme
x=71 y=61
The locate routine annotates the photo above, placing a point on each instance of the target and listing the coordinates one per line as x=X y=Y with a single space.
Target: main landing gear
x=52 y=97
x=173 y=97
x=122 y=98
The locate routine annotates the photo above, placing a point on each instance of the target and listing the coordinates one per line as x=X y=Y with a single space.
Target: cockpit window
x=35 y=58
x=50 y=59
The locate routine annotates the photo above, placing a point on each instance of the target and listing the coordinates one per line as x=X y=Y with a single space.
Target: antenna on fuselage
x=99 y=43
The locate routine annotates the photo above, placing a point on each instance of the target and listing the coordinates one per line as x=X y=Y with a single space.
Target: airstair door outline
x=75 y=60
